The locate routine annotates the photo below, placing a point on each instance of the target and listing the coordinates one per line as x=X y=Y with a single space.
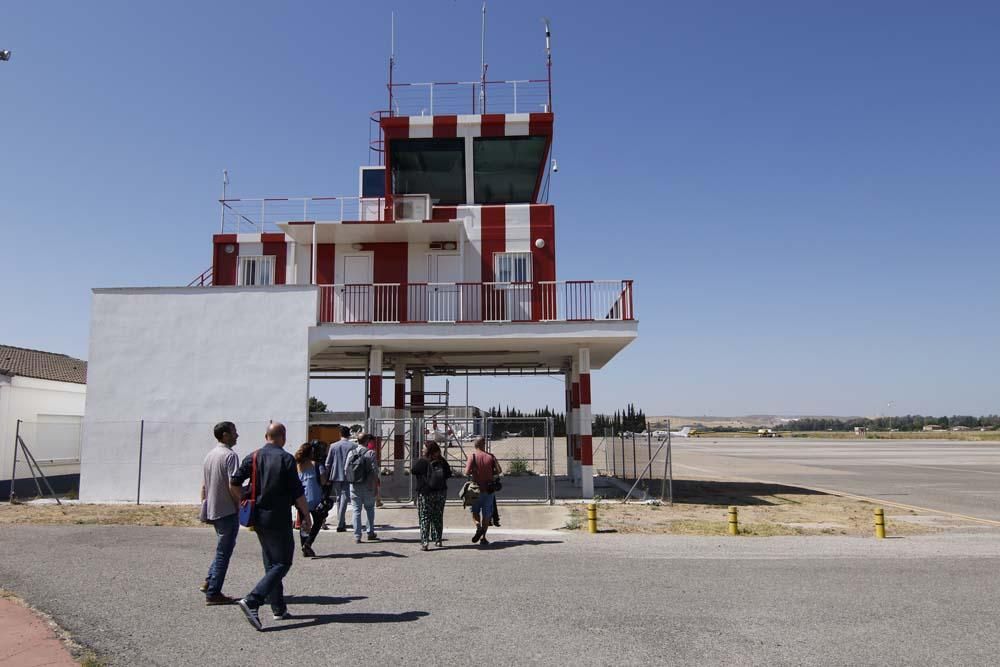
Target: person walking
x=340 y=488
x=361 y=471
x=220 y=510
x=483 y=468
x=277 y=489
x=309 y=476
x=431 y=472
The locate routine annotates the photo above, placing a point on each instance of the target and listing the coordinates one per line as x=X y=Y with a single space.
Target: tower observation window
x=429 y=166
x=506 y=169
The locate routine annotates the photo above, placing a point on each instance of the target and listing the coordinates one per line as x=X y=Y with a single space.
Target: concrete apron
x=514 y=519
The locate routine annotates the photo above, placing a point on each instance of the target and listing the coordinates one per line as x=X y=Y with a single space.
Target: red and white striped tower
x=399 y=430
x=584 y=417
x=570 y=423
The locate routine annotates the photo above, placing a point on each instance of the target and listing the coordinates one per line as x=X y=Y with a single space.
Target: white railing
x=467 y=97
x=264 y=214
x=546 y=301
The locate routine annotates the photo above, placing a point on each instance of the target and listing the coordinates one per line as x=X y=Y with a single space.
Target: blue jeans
x=483 y=505
x=362 y=496
x=227 y=529
x=277 y=546
x=342 y=493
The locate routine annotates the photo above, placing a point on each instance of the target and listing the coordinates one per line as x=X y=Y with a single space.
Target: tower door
x=444 y=273
x=358 y=294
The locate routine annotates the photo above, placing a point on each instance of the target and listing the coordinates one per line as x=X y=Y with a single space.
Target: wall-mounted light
x=450 y=245
x=230 y=248
x=539 y=243
x=357 y=246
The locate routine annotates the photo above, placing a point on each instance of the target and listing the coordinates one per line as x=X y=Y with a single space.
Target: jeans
x=342 y=493
x=362 y=496
x=227 y=529
x=277 y=546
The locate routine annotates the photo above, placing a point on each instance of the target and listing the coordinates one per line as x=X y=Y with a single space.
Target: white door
x=510 y=298
x=357 y=298
x=444 y=273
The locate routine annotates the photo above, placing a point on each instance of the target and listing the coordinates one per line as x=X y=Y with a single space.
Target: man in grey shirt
x=336 y=458
x=220 y=509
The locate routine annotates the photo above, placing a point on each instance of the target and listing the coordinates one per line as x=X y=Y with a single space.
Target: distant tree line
x=628 y=419
x=499 y=426
x=902 y=423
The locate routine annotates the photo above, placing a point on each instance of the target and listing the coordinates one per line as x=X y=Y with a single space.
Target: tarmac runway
x=131 y=594
x=958 y=477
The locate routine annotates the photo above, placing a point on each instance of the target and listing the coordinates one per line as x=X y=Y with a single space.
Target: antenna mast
x=392 y=57
x=548 y=58
x=222 y=208
x=482 y=61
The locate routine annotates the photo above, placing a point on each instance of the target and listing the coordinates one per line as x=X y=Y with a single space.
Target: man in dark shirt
x=278 y=488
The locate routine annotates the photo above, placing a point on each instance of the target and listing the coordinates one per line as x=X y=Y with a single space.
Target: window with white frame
x=256 y=270
x=512 y=267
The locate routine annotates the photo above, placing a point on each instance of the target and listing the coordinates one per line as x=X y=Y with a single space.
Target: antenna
x=222 y=208
x=548 y=58
x=392 y=57
x=482 y=60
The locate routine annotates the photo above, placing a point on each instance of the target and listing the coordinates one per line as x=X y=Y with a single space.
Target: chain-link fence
x=643 y=460
x=44 y=455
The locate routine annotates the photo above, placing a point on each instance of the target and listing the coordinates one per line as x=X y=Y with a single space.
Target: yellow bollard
x=880 y=523
x=734 y=520
x=592 y=517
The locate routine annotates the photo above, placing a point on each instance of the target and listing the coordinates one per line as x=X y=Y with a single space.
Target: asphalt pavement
x=952 y=476
x=548 y=597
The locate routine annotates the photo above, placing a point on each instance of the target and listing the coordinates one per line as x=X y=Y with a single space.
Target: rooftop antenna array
x=482 y=62
x=392 y=57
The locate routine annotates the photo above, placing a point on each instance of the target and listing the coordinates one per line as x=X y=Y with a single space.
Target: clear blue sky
x=805 y=193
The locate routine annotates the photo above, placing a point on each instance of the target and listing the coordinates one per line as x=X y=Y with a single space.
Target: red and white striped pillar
x=399 y=428
x=574 y=402
x=570 y=423
x=375 y=411
x=585 y=418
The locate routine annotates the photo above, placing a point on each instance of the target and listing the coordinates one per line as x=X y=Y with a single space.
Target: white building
x=442 y=264
x=42 y=398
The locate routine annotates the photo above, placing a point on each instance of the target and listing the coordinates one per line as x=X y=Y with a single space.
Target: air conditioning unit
x=411 y=208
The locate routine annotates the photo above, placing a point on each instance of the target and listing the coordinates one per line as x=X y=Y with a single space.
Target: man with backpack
x=484 y=469
x=361 y=471
x=431 y=473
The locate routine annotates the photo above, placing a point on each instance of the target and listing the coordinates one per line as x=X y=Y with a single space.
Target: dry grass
x=957 y=436
x=103 y=515
x=761 y=514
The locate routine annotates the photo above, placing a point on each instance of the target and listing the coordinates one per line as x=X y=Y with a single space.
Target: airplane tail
x=684 y=432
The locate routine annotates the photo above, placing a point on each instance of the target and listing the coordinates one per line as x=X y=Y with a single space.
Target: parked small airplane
x=683 y=433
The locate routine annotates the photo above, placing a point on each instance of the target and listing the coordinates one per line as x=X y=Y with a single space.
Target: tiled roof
x=42 y=365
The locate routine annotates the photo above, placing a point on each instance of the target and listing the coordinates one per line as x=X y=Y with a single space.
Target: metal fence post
x=13 y=472
x=138 y=482
x=635 y=474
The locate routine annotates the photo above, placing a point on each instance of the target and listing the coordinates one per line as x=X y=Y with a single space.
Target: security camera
x=555 y=165
x=5 y=55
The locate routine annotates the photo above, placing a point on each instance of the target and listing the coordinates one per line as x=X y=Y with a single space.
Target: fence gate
x=523 y=446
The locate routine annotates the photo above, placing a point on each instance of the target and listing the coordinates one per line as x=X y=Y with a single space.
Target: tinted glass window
x=429 y=166
x=373 y=182
x=506 y=169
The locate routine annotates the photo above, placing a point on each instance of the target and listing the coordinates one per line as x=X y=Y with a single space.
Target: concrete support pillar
x=569 y=423
x=399 y=429
x=586 y=438
x=575 y=405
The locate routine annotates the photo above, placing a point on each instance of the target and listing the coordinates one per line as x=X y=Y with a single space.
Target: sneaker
x=372 y=537
x=423 y=546
x=479 y=534
x=307 y=552
x=204 y=586
x=218 y=599
x=283 y=616
x=326 y=526
x=438 y=544
x=253 y=618
x=484 y=542
x=341 y=529
x=357 y=539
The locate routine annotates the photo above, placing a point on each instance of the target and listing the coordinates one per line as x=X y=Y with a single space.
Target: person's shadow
x=322 y=599
x=360 y=618
x=362 y=554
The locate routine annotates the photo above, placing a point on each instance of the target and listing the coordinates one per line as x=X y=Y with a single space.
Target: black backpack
x=357 y=468
x=437 y=476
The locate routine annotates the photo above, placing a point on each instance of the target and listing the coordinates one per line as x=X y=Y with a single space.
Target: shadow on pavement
x=704 y=492
x=323 y=619
x=362 y=554
x=499 y=544
x=322 y=599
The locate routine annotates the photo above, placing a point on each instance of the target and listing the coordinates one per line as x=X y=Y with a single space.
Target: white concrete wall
x=183 y=359
x=50 y=411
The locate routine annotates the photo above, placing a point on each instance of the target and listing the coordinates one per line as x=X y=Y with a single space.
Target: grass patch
x=100 y=515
